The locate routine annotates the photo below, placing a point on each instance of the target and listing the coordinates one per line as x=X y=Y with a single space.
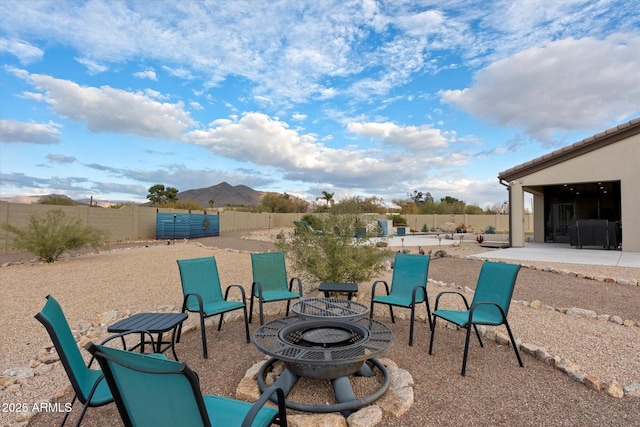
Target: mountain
x=223 y=194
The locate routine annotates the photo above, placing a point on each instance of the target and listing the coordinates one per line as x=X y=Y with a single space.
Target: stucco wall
x=139 y=223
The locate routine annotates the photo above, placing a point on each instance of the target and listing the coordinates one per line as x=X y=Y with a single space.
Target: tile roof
x=591 y=143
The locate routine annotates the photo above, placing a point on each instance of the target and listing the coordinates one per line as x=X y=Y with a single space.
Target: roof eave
x=568 y=152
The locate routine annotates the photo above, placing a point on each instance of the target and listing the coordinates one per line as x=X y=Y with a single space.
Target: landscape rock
x=632 y=390
x=614 y=389
x=317 y=420
x=581 y=312
x=365 y=417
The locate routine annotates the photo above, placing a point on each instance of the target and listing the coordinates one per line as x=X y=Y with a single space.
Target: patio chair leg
x=66 y=415
x=413 y=315
x=84 y=410
x=288 y=304
x=261 y=312
x=246 y=323
x=478 y=335
x=426 y=302
x=251 y=307
x=393 y=320
x=204 y=337
x=220 y=321
x=433 y=333
x=514 y=345
x=466 y=350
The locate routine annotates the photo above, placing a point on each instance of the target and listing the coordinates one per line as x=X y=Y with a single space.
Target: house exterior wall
x=614 y=162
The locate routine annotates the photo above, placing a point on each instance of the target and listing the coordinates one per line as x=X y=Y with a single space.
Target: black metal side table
x=348 y=288
x=154 y=323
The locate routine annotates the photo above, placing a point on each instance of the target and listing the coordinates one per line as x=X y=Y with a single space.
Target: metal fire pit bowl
x=329 y=308
x=323 y=348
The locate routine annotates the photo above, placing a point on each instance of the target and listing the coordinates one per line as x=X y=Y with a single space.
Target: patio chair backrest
x=269 y=270
x=200 y=276
x=152 y=391
x=409 y=271
x=495 y=284
x=53 y=319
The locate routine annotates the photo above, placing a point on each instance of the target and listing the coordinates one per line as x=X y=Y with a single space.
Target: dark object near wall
x=594 y=232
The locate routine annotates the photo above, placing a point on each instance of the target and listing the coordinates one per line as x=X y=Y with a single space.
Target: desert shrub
x=314 y=221
x=489 y=229
x=334 y=254
x=49 y=235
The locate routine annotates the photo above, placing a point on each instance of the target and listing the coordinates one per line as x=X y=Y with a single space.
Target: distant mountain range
x=222 y=194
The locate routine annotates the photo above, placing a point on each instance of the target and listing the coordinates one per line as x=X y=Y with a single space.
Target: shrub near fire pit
x=332 y=253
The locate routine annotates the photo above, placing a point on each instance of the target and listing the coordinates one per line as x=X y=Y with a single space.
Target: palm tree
x=212 y=203
x=328 y=197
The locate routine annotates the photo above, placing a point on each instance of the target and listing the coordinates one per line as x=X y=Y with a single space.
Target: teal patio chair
x=408 y=287
x=490 y=305
x=87 y=383
x=203 y=294
x=270 y=281
x=160 y=392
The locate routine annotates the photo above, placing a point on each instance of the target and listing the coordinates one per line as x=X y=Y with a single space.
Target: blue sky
x=358 y=98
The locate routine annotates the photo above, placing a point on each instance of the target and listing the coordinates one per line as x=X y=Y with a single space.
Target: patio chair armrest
x=256 y=286
x=466 y=304
x=373 y=287
x=255 y=408
x=198 y=297
x=479 y=303
x=415 y=291
x=240 y=287
x=299 y=281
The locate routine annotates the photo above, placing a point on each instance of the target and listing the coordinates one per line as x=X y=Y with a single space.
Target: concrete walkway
x=550 y=252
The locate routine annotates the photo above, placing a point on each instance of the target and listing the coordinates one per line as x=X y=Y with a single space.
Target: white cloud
x=181 y=73
x=563 y=86
x=92 y=66
x=60 y=158
x=35 y=133
x=413 y=138
x=25 y=52
x=269 y=142
x=149 y=73
x=105 y=109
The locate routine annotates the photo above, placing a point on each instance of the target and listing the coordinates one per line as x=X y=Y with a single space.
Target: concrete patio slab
x=550 y=252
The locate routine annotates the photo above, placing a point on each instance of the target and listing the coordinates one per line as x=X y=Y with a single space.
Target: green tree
x=276 y=202
x=327 y=197
x=358 y=204
x=334 y=254
x=498 y=208
x=159 y=195
x=53 y=233
x=420 y=197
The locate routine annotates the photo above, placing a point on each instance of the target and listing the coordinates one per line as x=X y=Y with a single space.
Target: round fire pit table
x=325 y=348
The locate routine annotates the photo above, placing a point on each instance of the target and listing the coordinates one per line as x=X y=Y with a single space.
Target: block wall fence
x=135 y=223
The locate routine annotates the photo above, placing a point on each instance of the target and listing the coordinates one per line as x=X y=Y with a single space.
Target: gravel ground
x=496 y=391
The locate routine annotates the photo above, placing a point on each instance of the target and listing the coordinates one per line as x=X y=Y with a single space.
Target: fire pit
x=325 y=347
